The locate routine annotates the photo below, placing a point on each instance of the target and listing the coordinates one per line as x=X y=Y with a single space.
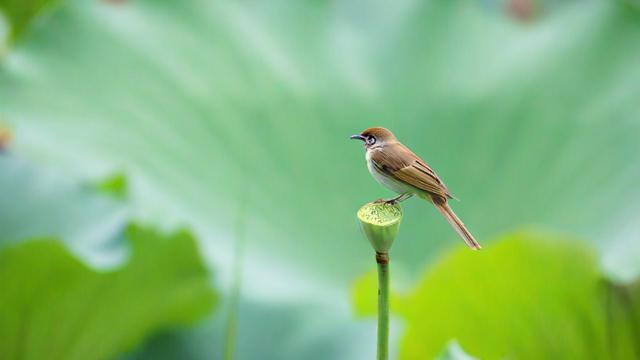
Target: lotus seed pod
x=380 y=223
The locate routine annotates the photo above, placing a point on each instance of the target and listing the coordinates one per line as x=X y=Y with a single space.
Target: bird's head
x=375 y=136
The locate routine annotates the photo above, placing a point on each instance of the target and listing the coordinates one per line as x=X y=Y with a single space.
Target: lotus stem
x=382 y=260
x=381 y=222
x=231 y=326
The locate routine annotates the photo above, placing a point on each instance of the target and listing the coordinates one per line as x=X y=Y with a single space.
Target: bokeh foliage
x=195 y=105
x=53 y=306
x=198 y=103
x=76 y=281
x=20 y=13
x=527 y=296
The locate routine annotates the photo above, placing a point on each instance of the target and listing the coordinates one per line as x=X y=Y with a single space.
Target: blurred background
x=177 y=179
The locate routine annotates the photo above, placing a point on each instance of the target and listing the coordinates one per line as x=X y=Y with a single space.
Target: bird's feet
x=386 y=202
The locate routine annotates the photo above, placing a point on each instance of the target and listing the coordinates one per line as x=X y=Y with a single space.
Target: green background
x=231 y=120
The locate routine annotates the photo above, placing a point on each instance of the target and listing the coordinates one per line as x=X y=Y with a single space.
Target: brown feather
x=379 y=133
x=397 y=161
x=455 y=222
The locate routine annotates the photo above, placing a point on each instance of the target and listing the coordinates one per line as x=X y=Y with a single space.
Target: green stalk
x=231 y=325
x=383 y=305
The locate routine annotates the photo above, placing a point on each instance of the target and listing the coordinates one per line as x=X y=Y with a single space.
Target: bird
x=400 y=170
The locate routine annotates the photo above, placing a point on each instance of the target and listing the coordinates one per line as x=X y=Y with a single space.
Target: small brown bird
x=397 y=168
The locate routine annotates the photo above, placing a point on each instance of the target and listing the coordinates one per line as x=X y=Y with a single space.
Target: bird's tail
x=456 y=223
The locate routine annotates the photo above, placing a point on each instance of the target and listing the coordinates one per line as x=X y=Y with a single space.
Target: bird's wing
x=402 y=164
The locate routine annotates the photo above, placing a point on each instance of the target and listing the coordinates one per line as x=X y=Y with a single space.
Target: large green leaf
x=54 y=306
x=39 y=202
x=202 y=104
x=44 y=203
x=528 y=296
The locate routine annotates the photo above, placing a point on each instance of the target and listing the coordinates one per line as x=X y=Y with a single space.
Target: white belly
x=387 y=181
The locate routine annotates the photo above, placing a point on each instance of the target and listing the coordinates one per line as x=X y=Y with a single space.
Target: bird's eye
x=371 y=140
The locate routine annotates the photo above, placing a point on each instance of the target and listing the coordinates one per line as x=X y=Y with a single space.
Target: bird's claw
x=386 y=202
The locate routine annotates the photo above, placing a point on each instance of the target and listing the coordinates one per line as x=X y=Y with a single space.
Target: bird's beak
x=357 y=137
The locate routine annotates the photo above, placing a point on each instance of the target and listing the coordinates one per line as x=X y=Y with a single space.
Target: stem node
x=382 y=257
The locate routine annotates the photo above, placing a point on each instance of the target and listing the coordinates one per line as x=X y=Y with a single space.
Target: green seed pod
x=380 y=223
